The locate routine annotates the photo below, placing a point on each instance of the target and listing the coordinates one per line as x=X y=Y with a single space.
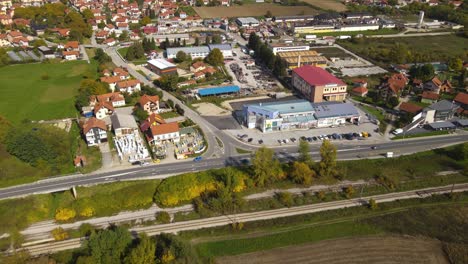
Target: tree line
x=264 y=54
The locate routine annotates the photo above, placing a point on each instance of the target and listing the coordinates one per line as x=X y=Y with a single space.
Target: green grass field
x=27 y=95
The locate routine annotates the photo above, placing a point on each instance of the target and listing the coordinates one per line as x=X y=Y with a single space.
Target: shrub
x=372 y=204
x=285 y=198
x=163 y=217
x=59 y=234
x=349 y=191
x=64 y=214
x=45 y=77
x=88 y=211
x=321 y=195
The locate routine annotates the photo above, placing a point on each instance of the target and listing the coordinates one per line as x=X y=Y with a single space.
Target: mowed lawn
x=25 y=95
x=253 y=10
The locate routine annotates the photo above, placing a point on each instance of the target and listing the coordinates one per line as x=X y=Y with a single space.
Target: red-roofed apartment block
x=318 y=85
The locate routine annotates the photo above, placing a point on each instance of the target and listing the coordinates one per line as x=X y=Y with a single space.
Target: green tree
x=216 y=39
x=163 y=217
x=123 y=36
x=456 y=64
x=279 y=68
x=372 y=204
x=285 y=198
x=145 y=21
x=5 y=127
x=349 y=191
x=266 y=167
x=215 y=58
x=109 y=246
x=254 y=41
x=393 y=101
x=140 y=114
x=87 y=14
x=101 y=56
x=197 y=42
x=304 y=152
x=301 y=173
x=327 y=163
x=181 y=56
x=143 y=253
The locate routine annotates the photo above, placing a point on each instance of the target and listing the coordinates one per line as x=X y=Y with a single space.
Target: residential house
x=392 y=86
x=103 y=109
x=410 y=108
x=197 y=66
x=121 y=73
x=109 y=42
x=94 y=131
x=112 y=81
x=46 y=52
x=149 y=103
x=157 y=131
x=360 y=91
x=70 y=55
x=4 y=41
x=116 y=99
x=440 y=111
x=435 y=85
x=462 y=100
x=429 y=97
x=72 y=46
x=128 y=86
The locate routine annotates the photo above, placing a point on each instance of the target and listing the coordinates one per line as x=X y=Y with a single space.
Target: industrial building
x=283 y=47
x=226 y=49
x=298 y=114
x=247 y=22
x=162 y=67
x=296 y=59
x=194 y=52
x=318 y=85
x=313 y=29
x=218 y=90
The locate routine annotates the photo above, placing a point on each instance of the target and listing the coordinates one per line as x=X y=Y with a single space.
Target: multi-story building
x=294 y=59
x=318 y=85
x=95 y=131
x=149 y=103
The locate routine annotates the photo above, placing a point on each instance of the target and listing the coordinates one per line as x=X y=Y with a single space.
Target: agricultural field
x=333 y=5
x=47 y=93
x=371 y=249
x=254 y=10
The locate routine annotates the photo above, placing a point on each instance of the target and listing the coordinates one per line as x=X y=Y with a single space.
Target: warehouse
x=283 y=47
x=298 y=114
x=295 y=59
x=218 y=90
x=226 y=49
x=247 y=22
x=162 y=67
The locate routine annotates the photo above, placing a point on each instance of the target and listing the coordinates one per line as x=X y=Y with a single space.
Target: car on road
x=197 y=158
x=374 y=147
x=293 y=139
x=250 y=140
x=280 y=141
x=260 y=141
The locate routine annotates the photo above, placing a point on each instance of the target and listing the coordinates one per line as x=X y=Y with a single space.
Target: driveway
x=107 y=160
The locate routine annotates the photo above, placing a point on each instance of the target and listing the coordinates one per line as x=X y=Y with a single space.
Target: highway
x=51 y=247
x=346 y=150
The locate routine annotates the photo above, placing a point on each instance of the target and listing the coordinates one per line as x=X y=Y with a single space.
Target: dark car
x=250 y=140
x=314 y=138
x=260 y=141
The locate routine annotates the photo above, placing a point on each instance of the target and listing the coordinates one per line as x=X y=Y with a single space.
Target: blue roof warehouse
x=298 y=114
x=218 y=90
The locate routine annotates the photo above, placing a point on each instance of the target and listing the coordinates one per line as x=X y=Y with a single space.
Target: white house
x=95 y=131
x=128 y=86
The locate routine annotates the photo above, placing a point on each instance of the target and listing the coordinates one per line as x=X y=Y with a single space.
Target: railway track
x=55 y=246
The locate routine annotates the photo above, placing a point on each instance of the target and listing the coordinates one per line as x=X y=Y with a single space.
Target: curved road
x=159 y=171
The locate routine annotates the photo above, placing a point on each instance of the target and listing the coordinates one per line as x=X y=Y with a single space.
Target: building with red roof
x=318 y=85
x=94 y=131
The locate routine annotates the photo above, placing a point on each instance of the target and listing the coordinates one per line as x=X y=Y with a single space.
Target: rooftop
x=333 y=109
x=218 y=90
x=161 y=64
x=286 y=107
x=123 y=121
x=317 y=76
x=247 y=20
x=188 y=50
x=220 y=46
x=443 y=105
x=443 y=124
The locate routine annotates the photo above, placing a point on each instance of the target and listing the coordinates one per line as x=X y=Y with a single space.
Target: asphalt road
x=50 y=247
x=158 y=171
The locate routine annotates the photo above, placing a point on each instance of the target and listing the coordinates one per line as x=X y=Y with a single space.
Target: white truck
x=389 y=155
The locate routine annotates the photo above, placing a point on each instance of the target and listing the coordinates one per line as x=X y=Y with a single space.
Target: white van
x=397 y=131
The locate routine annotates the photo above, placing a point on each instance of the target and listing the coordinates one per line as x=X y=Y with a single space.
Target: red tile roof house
x=318 y=85
x=70 y=55
x=157 y=131
x=102 y=110
x=462 y=100
x=429 y=97
x=436 y=85
x=129 y=86
x=116 y=99
x=360 y=91
x=121 y=73
x=149 y=103
x=94 y=131
x=410 y=108
x=72 y=46
x=393 y=86
x=112 y=81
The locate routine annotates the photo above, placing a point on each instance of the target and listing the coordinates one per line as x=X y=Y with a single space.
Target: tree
x=143 y=253
x=266 y=167
x=304 y=155
x=327 y=163
x=140 y=114
x=87 y=14
x=455 y=64
x=372 y=204
x=279 y=68
x=59 y=234
x=215 y=57
x=181 y=56
x=301 y=173
x=109 y=246
x=197 y=42
x=145 y=21
x=5 y=127
x=207 y=40
x=216 y=39
x=101 y=56
x=123 y=36
x=349 y=191
x=254 y=41
x=64 y=214
x=393 y=101
x=163 y=217
x=285 y=198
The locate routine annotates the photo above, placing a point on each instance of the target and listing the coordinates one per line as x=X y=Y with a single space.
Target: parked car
x=197 y=158
x=250 y=140
x=260 y=141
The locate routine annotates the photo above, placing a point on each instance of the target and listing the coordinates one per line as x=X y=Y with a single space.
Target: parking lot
x=347 y=133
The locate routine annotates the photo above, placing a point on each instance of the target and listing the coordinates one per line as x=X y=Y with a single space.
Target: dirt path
x=373 y=249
